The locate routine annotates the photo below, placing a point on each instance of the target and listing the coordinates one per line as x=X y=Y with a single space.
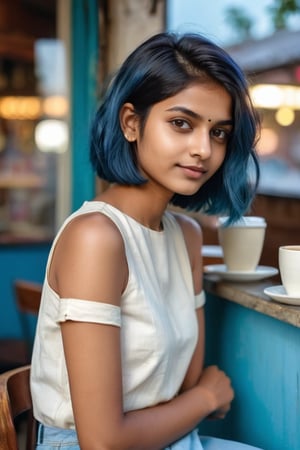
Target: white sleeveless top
x=156 y=317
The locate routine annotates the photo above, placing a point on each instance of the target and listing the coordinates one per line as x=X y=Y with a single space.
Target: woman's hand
x=216 y=386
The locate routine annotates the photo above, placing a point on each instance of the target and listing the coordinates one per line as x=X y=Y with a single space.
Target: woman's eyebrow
x=194 y=115
x=186 y=111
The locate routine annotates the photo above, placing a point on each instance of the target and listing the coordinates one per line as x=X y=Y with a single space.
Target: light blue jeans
x=50 y=438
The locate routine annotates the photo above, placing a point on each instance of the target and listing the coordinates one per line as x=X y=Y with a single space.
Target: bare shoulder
x=190 y=227
x=90 y=253
x=192 y=233
x=93 y=229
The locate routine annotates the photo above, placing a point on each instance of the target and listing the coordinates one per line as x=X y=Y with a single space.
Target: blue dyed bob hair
x=160 y=68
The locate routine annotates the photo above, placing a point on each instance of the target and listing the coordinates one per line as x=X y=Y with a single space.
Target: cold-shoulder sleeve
x=200 y=300
x=88 y=311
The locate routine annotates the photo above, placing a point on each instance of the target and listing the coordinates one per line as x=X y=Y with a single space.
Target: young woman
x=118 y=355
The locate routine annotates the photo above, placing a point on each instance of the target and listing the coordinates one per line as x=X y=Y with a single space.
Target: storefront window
x=33 y=112
x=277 y=97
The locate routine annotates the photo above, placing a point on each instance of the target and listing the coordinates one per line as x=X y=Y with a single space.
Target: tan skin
x=192 y=127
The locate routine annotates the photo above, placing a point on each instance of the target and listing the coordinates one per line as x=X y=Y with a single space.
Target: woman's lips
x=193 y=171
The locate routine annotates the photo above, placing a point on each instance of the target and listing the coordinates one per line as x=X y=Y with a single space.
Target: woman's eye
x=180 y=123
x=221 y=135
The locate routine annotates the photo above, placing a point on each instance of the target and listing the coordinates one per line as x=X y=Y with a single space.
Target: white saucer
x=278 y=293
x=212 y=251
x=260 y=273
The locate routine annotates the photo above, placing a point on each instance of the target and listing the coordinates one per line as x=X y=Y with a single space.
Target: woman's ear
x=129 y=122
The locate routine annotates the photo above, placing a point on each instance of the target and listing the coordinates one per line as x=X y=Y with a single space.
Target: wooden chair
x=28 y=299
x=28 y=296
x=15 y=400
x=17 y=352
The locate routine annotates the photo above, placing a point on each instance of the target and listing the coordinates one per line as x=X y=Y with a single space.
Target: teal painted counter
x=257 y=342
x=23 y=261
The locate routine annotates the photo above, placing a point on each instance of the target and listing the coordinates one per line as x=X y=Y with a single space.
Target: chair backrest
x=15 y=399
x=28 y=296
x=28 y=299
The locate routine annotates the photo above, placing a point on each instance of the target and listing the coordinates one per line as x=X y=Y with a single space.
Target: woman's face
x=185 y=138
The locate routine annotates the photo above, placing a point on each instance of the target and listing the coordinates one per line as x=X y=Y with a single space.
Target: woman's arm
x=196 y=365
x=89 y=264
x=193 y=239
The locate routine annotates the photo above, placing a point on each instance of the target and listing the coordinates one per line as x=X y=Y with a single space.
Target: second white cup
x=242 y=242
x=289 y=267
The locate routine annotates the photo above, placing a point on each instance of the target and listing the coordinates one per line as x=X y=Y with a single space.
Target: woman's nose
x=201 y=147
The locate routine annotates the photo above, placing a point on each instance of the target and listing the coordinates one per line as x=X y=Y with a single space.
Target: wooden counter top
x=251 y=295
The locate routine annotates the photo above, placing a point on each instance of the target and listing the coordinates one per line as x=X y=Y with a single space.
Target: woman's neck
x=139 y=202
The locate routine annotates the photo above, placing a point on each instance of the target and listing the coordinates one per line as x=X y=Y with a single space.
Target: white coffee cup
x=242 y=242
x=289 y=267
